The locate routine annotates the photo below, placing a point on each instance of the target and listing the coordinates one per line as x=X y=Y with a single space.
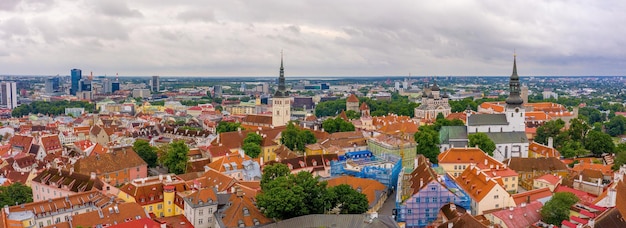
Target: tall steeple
x=280 y=92
x=514 y=99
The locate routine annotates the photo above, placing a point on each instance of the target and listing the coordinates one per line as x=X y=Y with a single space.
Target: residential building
x=119 y=166
x=547 y=181
x=119 y=214
x=542 y=195
x=8 y=95
x=141 y=93
x=402 y=148
x=281 y=102
x=57 y=210
x=156 y=194
x=384 y=168
x=456 y=160
x=238 y=166
x=375 y=192
x=49 y=144
x=318 y=165
x=530 y=168
x=240 y=211
x=338 y=143
x=54 y=183
x=200 y=207
x=485 y=192
x=433 y=103
x=422 y=193
x=536 y=150
x=524 y=215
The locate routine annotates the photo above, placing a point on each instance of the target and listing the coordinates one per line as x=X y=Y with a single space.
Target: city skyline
x=145 y=38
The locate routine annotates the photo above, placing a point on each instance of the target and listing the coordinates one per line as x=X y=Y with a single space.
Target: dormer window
x=246 y=212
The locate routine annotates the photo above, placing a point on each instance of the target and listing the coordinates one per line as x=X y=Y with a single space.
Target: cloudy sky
x=319 y=37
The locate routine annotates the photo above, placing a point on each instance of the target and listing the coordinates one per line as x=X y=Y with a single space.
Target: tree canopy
x=483 y=142
x=175 y=159
x=399 y=105
x=557 y=209
x=620 y=156
x=599 y=143
x=285 y=195
x=146 y=152
x=552 y=129
x=50 y=107
x=616 y=126
x=16 y=193
x=427 y=140
x=332 y=125
x=296 y=139
x=227 y=127
x=252 y=145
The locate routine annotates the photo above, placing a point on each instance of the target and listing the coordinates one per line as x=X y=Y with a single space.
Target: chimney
x=550 y=142
x=6 y=209
x=450 y=224
x=486 y=162
x=92 y=175
x=421 y=182
x=160 y=177
x=591 y=223
x=71 y=171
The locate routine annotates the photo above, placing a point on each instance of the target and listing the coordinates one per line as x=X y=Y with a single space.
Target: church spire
x=514 y=98
x=280 y=92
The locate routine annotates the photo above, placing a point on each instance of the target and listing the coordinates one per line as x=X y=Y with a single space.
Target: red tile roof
x=352 y=98
x=584 y=197
x=532 y=195
x=523 y=215
x=552 y=179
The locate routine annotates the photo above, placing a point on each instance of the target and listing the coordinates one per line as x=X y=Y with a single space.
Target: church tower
x=281 y=102
x=515 y=112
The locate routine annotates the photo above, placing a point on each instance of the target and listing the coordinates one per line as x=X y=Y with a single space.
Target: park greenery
x=285 y=195
x=15 y=194
x=427 y=140
x=557 y=209
x=332 y=125
x=174 y=157
x=296 y=139
x=483 y=142
x=146 y=152
x=50 y=107
x=399 y=105
x=228 y=127
x=580 y=139
x=252 y=145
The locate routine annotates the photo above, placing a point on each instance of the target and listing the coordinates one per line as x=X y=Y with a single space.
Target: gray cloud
x=351 y=37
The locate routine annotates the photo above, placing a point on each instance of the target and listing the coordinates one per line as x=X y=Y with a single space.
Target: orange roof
x=216 y=179
x=364 y=106
x=543 y=150
x=467 y=155
x=98 y=149
x=352 y=98
x=552 y=179
x=457 y=115
x=475 y=183
x=228 y=159
x=371 y=188
x=605 y=169
x=51 y=143
x=532 y=195
x=495 y=106
x=239 y=205
x=537 y=115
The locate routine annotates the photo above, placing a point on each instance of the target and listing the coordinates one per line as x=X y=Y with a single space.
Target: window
x=496 y=197
x=433 y=189
x=506 y=179
x=199 y=221
x=201 y=212
x=455 y=167
x=159 y=206
x=137 y=169
x=409 y=211
x=150 y=208
x=497 y=205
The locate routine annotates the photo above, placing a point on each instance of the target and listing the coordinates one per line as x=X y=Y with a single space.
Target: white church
x=507 y=130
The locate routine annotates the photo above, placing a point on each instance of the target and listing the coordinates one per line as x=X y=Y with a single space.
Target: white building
x=281 y=102
x=142 y=93
x=433 y=103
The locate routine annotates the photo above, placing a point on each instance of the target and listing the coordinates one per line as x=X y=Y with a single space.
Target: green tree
x=331 y=125
x=599 y=143
x=570 y=149
x=578 y=130
x=427 y=141
x=271 y=172
x=616 y=126
x=483 y=142
x=348 y=200
x=351 y=114
x=440 y=116
x=620 y=156
x=227 y=127
x=281 y=199
x=251 y=149
x=552 y=129
x=146 y=152
x=296 y=139
x=176 y=157
x=253 y=138
x=557 y=209
x=16 y=193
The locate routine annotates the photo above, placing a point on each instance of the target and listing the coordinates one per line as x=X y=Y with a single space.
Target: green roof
x=452 y=132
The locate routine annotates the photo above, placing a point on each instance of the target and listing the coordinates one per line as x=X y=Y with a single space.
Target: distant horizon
x=316 y=76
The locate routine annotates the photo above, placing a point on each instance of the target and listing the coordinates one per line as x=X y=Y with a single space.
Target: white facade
x=281 y=111
x=9 y=94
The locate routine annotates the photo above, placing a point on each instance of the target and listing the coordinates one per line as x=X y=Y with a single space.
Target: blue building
x=115 y=86
x=76 y=75
x=422 y=193
x=384 y=168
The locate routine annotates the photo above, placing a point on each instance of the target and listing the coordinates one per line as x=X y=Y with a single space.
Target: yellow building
x=155 y=194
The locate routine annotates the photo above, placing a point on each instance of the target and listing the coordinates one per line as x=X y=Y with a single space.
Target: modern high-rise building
x=76 y=75
x=53 y=85
x=115 y=86
x=155 y=84
x=8 y=93
x=217 y=91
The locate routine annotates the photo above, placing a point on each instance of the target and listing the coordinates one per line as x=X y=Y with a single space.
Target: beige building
x=486 y=192
x=455 y=161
